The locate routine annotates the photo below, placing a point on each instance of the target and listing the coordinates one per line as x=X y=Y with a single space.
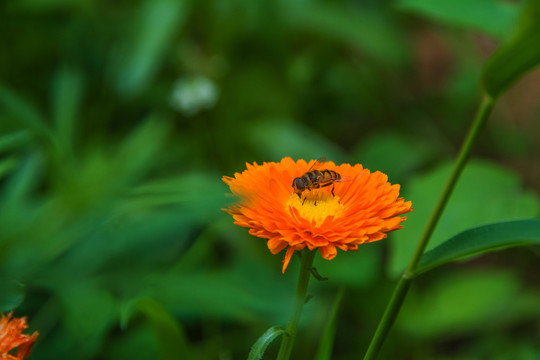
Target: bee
x=316 y=179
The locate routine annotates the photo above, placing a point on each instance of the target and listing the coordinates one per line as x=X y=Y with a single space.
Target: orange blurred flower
x=11 y=337
x=363 y=210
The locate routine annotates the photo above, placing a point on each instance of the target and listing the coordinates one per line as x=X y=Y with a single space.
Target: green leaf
x=67 y=94
x=23 y=111
x=21 y=183
x=88 y=313
x=365 y=263
x=327 y=342
x=11 y=294
x=467 y=301
x=153 y=28
x=497 y=18
x=14 y=140
x=169 y=334
x=137 y=151
x=50 y=5
x=7 y=165
x=371 y=31
x=486 y=193
x=295 y=140
x=481 y=240
x=224 y=294
x=518 y=56
x=378 y=151
x=258 y=349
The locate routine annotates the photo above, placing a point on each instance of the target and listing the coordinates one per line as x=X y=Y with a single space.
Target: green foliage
x=324 y=351
x=66 y=103
x=468 y=13
x=371 y=31
x=151 y=31
x=258 y=349
x=378 y=152
x=468 y=302
x=168 y=333
x=481 y=240
x=76 y=241
x=355 y=269
x=11 y=294
x=293 y=139
x=12 y=141
x=89 y=313
x=485 y=193
x=23 y=112
x=518 y=56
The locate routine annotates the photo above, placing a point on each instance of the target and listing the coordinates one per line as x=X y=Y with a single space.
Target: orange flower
x=365 y=207
x=11 y=336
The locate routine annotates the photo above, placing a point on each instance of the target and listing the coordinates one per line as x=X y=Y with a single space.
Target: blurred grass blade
x=66 y=101
x=135 y=154
x=11 y=294
x=88 y=313
x=6 y=165
x=13 y=140
x=482 y=239
x=258 y=349
x=49 y=5
x=497 y=18
x=520 y=55
x=293 y=139
x=169 y=334
x=23 y=111
x=21 y=183
x=327 y=342
x=370 y=31
x=154 y=27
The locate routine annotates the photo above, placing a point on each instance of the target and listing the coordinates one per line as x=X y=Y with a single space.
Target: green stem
x=402 y=287
x=303 y=280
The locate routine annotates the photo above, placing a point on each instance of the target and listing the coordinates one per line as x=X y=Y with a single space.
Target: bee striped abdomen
x=320 y=178
x=330 y=175
x=316 y=179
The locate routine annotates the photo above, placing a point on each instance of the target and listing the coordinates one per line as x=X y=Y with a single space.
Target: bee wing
x=345 y=179
x=317 y=163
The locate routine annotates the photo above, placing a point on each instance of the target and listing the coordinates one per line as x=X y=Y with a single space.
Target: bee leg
x=334 y=195
x=303 y=201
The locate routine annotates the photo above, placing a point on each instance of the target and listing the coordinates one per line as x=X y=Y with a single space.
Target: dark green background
x=119 y=118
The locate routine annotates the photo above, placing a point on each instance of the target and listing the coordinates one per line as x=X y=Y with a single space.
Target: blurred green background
x=118 y=119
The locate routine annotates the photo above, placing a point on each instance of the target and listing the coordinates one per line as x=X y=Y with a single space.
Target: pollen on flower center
x=317 y=206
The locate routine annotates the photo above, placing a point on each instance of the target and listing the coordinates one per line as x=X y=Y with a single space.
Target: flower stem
x=303 y=280
x=402 y=287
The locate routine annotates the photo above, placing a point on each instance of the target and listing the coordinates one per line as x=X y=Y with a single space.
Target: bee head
x=298 y=185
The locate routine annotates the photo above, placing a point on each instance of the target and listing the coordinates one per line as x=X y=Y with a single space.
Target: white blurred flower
x=191 y=94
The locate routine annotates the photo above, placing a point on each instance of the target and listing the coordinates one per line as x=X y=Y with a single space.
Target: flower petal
x=287 y=259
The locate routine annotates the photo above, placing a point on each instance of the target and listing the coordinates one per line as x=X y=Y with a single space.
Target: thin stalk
x=303 y=280
x=402 y=287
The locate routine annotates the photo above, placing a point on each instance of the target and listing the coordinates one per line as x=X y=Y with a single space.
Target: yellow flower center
x=316 y=206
